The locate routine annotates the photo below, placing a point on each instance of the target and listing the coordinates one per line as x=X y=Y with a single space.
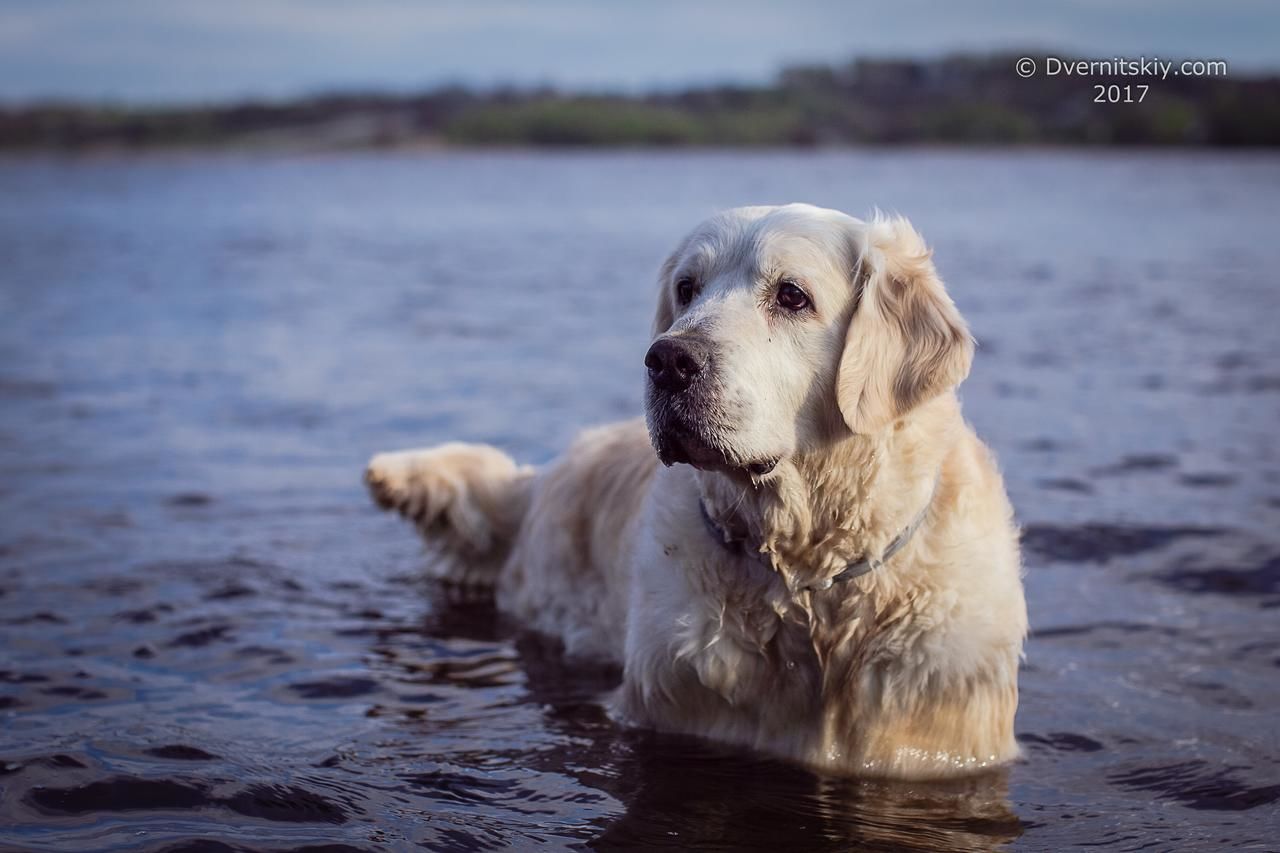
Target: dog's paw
x=394 y=480
x=453 y=493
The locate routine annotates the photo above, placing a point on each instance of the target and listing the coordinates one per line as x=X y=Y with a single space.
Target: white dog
x=826 y=568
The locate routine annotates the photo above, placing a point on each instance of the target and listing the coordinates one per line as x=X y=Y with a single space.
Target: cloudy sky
x=177 y=50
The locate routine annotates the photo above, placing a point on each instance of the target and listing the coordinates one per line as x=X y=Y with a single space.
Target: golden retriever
x=825 y=566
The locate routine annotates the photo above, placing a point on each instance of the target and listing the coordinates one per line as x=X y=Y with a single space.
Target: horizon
x=148 y=53
x=538 y=88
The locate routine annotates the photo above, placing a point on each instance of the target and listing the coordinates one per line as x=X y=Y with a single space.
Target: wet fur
x=909 y=671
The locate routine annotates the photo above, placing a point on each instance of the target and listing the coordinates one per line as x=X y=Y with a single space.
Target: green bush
x=574 y=122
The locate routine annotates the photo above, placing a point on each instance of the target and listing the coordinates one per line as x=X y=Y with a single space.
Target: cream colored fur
x=910 y=670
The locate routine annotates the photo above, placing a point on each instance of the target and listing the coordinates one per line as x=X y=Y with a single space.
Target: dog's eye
x=684 y=290
x=791 y=297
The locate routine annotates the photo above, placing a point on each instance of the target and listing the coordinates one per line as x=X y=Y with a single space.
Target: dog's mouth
x=678 y=444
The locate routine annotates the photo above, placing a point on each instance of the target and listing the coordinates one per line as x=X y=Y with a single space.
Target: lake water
x=208 y=634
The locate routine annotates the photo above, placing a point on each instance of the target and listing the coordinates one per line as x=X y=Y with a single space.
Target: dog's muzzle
x=681 y=399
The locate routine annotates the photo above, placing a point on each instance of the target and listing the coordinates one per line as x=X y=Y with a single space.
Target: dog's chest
x=744 y=638
x=717 y=635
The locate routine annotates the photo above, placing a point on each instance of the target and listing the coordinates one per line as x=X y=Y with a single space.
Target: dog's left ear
x=906 y=343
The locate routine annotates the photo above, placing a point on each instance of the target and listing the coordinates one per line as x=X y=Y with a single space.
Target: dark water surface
x=208 y=634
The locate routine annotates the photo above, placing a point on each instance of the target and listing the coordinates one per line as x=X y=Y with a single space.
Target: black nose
x=674 y=363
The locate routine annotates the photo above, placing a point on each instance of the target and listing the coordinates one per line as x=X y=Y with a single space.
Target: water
x=208 y=634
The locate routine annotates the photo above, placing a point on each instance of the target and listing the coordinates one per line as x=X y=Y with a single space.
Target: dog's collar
x=738 y=545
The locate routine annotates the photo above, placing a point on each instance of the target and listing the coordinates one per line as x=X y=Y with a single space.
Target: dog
x=824 y=567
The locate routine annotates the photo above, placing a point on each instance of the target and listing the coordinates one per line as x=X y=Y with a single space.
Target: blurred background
x=244 y=246
x=392 y=73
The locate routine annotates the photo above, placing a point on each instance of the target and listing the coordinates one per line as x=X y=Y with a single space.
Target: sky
x=168 y=51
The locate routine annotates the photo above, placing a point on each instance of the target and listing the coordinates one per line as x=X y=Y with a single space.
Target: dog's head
x=781 y=329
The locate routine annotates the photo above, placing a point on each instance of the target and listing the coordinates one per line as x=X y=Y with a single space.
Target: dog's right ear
x=666 y=312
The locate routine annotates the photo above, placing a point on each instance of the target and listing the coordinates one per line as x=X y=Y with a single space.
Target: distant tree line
x=976 y=100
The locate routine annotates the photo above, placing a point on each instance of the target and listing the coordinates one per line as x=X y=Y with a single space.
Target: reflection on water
x=208 y=634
